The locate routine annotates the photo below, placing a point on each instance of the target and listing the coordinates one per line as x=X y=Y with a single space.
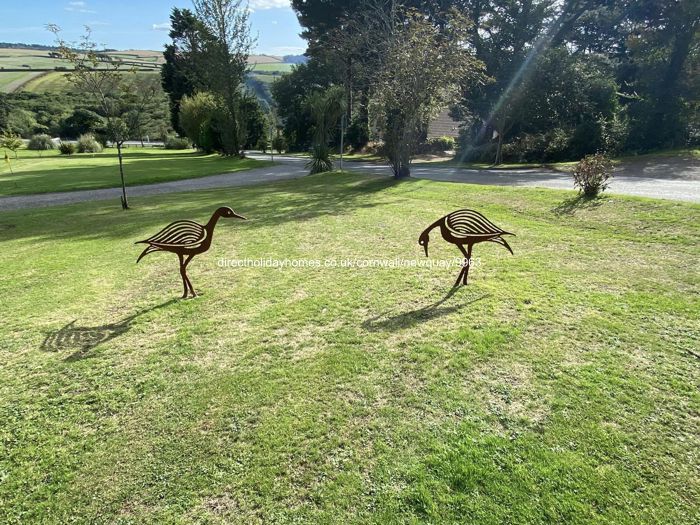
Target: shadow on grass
x=82 y=339
x=427 y=313
x=579 y=202
x=265 y=205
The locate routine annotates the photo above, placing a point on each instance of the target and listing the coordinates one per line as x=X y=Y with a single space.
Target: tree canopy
x=567 y=78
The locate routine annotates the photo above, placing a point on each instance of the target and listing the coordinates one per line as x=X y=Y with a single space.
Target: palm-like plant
x=325 y=108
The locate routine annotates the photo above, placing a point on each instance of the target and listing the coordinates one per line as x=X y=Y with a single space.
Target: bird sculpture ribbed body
x=465 y=227
x=186 y=239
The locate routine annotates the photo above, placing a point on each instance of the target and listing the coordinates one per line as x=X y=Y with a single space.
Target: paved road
x=665 y=178
x=672 y=178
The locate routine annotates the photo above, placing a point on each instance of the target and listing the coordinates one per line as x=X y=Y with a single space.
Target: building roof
x=443 y=126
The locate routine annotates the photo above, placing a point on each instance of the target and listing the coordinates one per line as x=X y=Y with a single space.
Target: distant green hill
x=34 y=68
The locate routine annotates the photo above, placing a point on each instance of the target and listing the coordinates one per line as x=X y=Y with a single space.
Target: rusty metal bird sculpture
x=186 y=239
x=465 y=227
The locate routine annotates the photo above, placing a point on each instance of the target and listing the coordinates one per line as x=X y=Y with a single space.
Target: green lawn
x=281 y=67
x=560 y=386
x=41 y=172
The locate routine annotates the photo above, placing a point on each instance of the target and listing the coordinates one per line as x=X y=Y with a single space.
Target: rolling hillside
x=35 y=70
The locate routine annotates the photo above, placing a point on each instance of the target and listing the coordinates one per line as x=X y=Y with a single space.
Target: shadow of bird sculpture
x=465 y=227
x=186 y=239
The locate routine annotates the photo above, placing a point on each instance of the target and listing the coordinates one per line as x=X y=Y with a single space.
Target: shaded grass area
x=558 y=387
x=48 y=171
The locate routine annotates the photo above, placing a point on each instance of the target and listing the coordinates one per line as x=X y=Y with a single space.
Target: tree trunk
x=125 y=201
x=403 y=169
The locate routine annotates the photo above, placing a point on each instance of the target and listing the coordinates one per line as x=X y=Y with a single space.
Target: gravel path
x=676 y=178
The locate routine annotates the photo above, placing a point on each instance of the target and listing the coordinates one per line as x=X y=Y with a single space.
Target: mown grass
x=48 y=171
x=560 y=386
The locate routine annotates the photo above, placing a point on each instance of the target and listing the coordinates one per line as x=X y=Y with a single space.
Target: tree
x=181 y=72
x=81 y=121
x=11 y=141
x=255 y=120
x=291 y=92
x=104 y=80
x=22 y=122
x=146 y=106
x=424 y=70
x=197 y=120
x=225 y=58
x=325 y=109
x=660 y=115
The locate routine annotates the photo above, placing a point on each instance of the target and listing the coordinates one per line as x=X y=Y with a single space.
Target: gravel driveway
x=676 y=178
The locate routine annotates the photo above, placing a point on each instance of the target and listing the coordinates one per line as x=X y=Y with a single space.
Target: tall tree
x=424 y=70
x=181 y=72
x=225 y=61
x=110 y=86
x=291 y=92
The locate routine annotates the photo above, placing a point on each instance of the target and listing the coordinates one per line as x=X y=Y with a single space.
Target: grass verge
x=48 y=171
x=560 y=386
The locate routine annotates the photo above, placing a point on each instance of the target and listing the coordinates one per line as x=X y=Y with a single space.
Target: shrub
x=320 y=160
x=173 y=142
x=10 y=141
x=263 y=145
x=40 y=142
x=279 y=144
x=88 y=144
x=66 y=148
x=440 y=144
x=199 y=119
x=591 y=174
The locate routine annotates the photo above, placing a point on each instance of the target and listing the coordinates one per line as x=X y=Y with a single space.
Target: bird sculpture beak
x=239 y=217
x=426 y=249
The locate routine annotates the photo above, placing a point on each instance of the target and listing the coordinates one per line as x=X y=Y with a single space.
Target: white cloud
x=78 y=7
x=274 y=22
x=269 y=4
x=165 y=26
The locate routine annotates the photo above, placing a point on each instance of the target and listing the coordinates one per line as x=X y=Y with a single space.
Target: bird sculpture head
x=225 y=211
x=423 y=241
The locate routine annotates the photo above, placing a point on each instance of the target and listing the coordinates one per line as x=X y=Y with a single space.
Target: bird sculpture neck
x=212 y=222
x=434 y=225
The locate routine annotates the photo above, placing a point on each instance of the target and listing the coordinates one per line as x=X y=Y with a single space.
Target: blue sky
x=130 y=24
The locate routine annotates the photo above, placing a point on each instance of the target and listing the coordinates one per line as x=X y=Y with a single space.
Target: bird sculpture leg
x=189 y=283
x=469 y=262
x=183 y=274
x=461 y=272
x=465 y=267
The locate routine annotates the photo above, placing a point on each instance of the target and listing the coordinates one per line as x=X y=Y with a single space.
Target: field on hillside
x=47 y=171
x=36 y=78
x=560 y=386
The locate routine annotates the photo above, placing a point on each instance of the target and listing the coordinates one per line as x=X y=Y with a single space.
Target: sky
x=131 y=24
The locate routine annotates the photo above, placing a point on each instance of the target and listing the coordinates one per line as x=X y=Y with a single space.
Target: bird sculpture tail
x=148 y=250
x=502 y=242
